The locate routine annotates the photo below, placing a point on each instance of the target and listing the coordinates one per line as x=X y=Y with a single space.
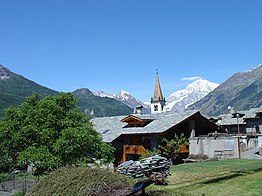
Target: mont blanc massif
x=177 y=101
x=242 y=91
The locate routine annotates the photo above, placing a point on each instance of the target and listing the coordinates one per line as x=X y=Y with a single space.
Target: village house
x=247 y=125
x=136 y=133
x=249 y=121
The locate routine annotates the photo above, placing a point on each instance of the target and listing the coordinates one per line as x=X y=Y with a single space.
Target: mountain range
x=96 y=106
x=242 y=91
x=176 y=102
x=15 y=88
x=126 y=98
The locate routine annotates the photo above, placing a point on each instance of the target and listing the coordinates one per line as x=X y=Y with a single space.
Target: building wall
x=222 y=147
x=212 y=147
x=260 y=129
x=161 y=107
x=260 y=140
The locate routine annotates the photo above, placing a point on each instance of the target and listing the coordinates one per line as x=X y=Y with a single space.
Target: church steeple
x=158 y=92
x=158 y=101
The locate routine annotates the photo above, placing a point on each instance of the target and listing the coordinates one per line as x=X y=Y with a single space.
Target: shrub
x=82 y=181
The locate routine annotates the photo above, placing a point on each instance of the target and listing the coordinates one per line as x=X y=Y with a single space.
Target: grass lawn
x=226 y=177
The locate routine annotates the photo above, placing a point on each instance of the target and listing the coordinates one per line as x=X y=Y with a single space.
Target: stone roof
x=252 y=113
x=231 y=119
x=112 y=127
x=109 y=127
x=227 y=119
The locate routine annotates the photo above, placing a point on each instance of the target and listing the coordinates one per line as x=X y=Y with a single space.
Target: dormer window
x=134 y=121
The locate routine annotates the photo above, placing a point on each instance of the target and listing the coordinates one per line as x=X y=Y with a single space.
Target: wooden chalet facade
x=134 y=134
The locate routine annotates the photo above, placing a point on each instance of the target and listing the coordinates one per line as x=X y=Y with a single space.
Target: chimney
x=138 y=110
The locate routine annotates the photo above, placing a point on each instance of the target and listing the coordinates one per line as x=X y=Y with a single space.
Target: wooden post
x=143 y=191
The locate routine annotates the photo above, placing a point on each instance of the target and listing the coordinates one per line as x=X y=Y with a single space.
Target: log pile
x=155 y=168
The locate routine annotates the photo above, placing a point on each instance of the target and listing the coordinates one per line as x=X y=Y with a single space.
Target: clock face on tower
x=155 y=107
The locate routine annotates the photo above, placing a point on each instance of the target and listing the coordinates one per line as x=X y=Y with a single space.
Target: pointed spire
x=158 y=92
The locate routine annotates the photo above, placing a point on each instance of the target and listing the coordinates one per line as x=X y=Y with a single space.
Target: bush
x=5 y=177
x=82 y=181
x=19 y=194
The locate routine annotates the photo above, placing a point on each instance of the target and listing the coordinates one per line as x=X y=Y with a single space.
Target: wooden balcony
x=132 y=150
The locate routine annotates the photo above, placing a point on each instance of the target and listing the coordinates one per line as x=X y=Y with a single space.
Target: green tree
x=48 y=133
x=171 y=148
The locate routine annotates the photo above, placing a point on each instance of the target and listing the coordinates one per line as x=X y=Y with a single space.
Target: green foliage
x=150 y=153
x=48 y=133
x=82 y=181
x=172 y=148
x=5 y=177
x=19 y=193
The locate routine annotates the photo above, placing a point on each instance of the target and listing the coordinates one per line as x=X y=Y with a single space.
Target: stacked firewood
x=155 y=168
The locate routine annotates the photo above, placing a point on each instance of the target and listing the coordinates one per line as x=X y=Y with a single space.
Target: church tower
x=158 y=102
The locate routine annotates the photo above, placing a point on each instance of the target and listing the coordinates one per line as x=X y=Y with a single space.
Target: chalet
x=249 y=122
x=136 y=133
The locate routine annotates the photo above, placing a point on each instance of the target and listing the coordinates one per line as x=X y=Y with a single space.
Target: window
x=155 y=107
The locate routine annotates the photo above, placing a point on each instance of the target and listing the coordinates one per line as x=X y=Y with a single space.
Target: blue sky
x=111 y=45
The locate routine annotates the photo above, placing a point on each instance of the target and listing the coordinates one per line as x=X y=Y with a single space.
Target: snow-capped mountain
x=181 y=99
x=242 y=91
x=103 y=94
x=124 y=97
x=177 y=101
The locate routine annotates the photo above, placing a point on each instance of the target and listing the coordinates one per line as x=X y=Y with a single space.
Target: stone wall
x=223 y=147
x=220 y=147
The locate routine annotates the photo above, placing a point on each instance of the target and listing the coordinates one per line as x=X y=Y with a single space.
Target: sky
x=110 y=45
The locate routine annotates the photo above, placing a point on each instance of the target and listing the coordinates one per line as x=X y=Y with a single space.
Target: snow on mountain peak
x=123 y=92
x=181 y=99
x=257 y=67
x=177 y=101
x=103 y=94
x=124 y=97
x=202 y=85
